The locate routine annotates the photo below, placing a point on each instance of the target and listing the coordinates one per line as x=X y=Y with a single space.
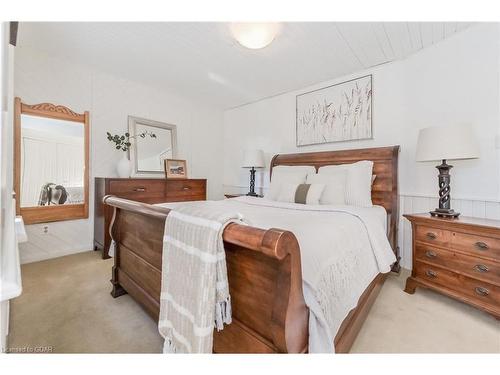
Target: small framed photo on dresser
x=175 y=168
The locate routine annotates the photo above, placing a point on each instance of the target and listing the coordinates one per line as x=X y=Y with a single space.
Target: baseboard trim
x=39 y=257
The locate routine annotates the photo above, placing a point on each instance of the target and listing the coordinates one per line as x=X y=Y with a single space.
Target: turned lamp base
x=444 y=209
x=252 y=192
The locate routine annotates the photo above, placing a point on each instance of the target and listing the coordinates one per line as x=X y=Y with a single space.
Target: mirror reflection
x=52 y=161
x=148 y=153
x=152 y=151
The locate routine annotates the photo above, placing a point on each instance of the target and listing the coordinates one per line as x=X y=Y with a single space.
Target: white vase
x=123 y=167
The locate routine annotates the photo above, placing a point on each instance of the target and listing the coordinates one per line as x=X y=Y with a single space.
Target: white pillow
x=359 y=181
x=335 y=183
x=285 y=174
x=300 y=193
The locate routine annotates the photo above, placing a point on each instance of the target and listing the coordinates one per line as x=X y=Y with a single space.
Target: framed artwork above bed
x=336 y=113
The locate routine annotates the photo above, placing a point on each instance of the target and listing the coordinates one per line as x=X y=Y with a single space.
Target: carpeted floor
x=66 y=306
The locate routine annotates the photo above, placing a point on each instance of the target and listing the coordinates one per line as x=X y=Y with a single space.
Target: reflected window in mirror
x=51 y=160
x=148 y=153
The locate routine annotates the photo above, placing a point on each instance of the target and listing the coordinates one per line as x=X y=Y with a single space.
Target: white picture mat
x=337 y=113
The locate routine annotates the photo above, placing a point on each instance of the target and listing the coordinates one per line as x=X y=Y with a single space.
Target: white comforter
x=343 y=248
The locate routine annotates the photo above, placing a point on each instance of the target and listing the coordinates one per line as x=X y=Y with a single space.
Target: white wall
x=455 y=81
x=110 y=99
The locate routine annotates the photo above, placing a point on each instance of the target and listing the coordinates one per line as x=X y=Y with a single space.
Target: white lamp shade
x=447 y=143
x=253 y=159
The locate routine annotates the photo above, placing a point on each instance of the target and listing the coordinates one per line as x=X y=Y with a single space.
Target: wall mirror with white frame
x=148 y=153
x=51 y=162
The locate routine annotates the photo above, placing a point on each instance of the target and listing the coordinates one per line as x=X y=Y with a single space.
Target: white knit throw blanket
x=194 y=291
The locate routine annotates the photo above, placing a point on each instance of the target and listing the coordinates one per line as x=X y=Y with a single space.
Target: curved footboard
x=264 y=274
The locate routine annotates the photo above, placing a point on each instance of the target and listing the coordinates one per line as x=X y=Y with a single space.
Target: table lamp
x=253 y=159
x=445 y=143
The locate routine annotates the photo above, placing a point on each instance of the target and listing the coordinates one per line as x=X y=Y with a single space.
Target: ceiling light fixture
x=255 y=35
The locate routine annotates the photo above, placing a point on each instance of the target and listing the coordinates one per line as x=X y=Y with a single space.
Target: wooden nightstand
x=459 y=258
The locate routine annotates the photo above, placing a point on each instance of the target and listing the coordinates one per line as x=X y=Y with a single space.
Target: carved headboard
x=385 y=166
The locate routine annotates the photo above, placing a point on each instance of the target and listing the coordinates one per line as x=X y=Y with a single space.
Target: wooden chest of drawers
x=147 y=190
x=459 y=258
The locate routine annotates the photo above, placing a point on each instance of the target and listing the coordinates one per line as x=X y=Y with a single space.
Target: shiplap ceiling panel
x=397 y=32
x=383 y=40
x=426 y=34
x=363 y=42
x=202 y=61
x=437 y=32
x=450 y=28
x=415 y=37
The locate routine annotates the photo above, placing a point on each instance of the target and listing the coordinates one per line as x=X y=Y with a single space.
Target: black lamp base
x=445 y=213
x=252 y=192
x=444 y=209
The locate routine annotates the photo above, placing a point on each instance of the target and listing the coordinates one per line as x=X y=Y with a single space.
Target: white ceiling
x=203 y=62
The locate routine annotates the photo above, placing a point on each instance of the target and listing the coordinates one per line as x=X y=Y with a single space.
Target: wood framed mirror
x=51 y=162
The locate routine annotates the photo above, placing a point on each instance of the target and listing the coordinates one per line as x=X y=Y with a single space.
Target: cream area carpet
x=66 y=306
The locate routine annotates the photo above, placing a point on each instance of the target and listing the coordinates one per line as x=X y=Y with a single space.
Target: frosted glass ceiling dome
x=254 y=35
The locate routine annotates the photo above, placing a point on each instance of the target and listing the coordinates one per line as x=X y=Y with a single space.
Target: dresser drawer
x=467 y=286
x=186 y=189
x=433 y=235
x=140 y=187
x=477 y=245
x=474 y=267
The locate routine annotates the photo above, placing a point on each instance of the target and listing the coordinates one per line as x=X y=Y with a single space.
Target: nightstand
x=459 y=258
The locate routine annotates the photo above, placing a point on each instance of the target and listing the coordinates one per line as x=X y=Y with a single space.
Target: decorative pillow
x=359 y=181
x=284 y=174
x=300 y=193
x=335 y=183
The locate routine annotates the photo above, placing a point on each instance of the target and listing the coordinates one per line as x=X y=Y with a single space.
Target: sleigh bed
x=264 y=266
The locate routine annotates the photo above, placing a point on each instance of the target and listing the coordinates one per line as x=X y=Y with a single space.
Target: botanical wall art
x=341 y=112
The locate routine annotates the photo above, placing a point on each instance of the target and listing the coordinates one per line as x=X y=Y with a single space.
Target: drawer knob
x=431 y=273
x=140 y=189
x=186 y=188
x=481 y=245
x=481 y=268
x=430 y=254
x=482 y=291
x=431 y=235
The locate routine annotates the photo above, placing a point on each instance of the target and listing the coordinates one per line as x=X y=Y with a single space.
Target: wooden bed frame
x=264 y=268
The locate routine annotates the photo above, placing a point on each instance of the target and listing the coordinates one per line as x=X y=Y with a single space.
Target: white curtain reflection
x=50 y=157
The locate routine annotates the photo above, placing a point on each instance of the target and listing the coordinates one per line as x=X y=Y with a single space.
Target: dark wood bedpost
x=117 y=290
x=394 y=213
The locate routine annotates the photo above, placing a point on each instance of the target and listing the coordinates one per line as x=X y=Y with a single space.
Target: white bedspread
x=343 y=248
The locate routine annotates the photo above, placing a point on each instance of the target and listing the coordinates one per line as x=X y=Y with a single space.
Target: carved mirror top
x=53 y=111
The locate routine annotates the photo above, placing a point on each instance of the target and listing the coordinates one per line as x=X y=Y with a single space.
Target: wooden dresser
x=459 y=258
x=147 y=190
